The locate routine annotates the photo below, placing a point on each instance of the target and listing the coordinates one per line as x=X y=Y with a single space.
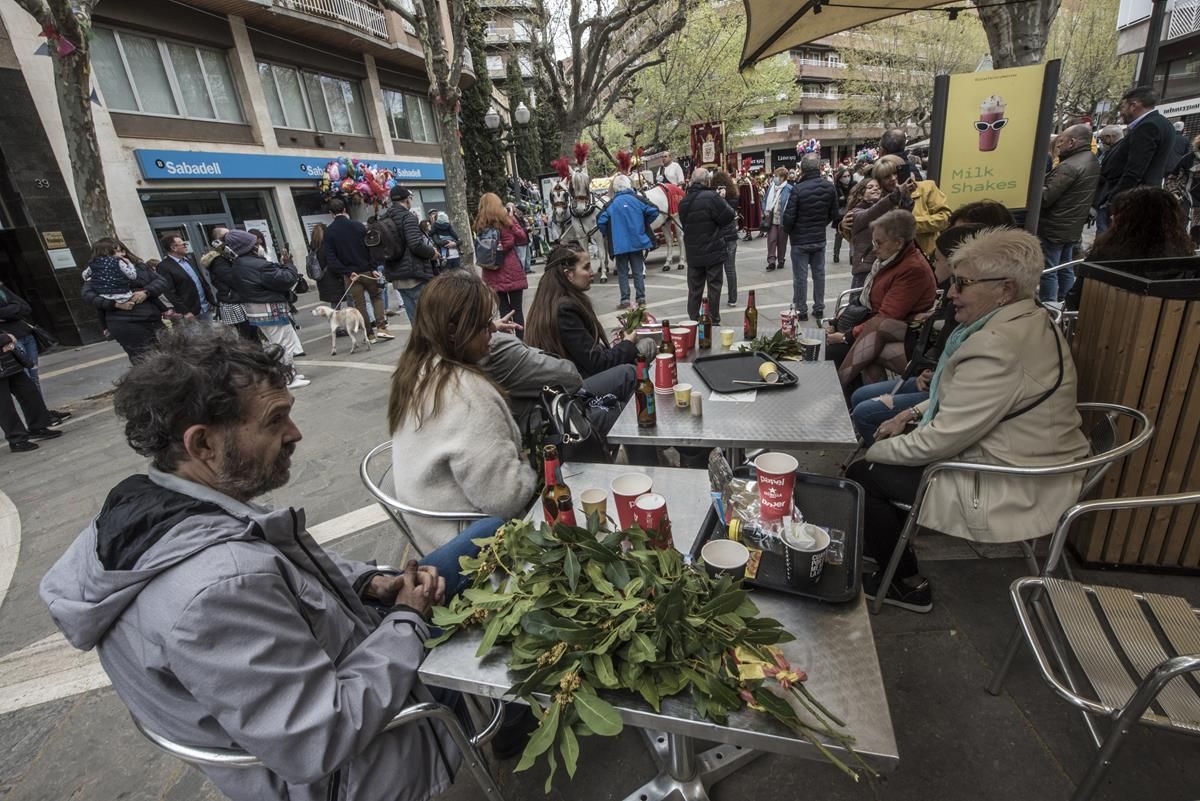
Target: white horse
x=575 y=210
x=669 y=223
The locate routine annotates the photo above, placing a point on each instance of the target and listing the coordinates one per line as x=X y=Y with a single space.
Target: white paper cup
x=725 y=557
x=626 y=489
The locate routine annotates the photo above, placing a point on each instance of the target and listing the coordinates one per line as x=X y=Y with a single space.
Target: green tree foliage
x=696 y=80
x=1084 y=36
x=890 y=66
x=482 y=151
x=547 y=122
x=528 y=137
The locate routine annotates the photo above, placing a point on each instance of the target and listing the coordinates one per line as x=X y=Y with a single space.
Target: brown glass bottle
x=557 y=503
x=750 y=323
x=647 y=417
x=666 y=345
x=704 y=334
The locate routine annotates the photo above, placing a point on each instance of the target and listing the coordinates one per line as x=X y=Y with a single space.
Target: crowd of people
x=217 y=618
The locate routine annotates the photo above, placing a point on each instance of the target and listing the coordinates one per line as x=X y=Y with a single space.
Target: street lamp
x=521 y=117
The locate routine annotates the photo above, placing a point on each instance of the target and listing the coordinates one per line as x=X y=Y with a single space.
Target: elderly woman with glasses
x=1003 y=392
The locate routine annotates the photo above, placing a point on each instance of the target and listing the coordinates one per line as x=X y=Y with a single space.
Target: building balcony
x=501 y=36
x=826 y=101
x=783 y=137
x=1184 y=19
x=817 y=69
x=519 y=4
x=357 y=14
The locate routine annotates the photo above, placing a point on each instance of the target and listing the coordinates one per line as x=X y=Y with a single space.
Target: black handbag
x=45 y=340
x=853 y=315
x=560 y=419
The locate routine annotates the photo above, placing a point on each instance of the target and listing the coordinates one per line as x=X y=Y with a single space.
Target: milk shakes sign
x=989 y=139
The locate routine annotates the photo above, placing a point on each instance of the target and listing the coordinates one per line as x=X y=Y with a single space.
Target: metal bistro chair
x=1063 y=318
x=394 y=508
x=843 y=300
x=1105 y=452
x=1135 y=650
x=469 y=746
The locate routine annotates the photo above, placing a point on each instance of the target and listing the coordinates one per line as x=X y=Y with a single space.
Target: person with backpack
x=496 y=254
x=346 y=255
x=418 y=261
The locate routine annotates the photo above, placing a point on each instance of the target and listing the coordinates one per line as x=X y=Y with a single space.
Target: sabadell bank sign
x=160 y=165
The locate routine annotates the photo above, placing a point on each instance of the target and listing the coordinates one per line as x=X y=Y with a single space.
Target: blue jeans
x=868 y=412
x=804 y=259
x=1056 y=285
x=410 y=297
x=1101 y=220
x=28 y=344
x=632 y=263
x=445 y=558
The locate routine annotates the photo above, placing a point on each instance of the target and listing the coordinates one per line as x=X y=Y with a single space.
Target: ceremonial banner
x=708 y=144
x=991 y=134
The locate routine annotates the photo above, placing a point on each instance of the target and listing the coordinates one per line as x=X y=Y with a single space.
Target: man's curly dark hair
x=195 y=374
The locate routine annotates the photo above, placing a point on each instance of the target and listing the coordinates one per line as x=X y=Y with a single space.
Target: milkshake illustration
x=991 y=120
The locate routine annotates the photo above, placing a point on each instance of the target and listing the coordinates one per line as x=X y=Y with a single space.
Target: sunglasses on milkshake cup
x=984 y=125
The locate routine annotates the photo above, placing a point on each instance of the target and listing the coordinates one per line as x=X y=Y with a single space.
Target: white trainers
x=299 y=381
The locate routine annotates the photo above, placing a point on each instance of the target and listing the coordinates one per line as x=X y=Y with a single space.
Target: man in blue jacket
x=811 y=208
x=626 y=224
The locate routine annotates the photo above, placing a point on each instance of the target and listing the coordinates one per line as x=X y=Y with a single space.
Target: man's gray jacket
x=225 y=625
x=522 y=371
x=1067 y=196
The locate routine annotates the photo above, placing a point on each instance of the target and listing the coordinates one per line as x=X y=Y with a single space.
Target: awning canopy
x=774 y=27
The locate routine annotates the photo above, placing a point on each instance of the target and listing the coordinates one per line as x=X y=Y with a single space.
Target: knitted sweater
x=468 y=458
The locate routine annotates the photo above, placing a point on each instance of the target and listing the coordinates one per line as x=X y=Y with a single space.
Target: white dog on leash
x=348 y=318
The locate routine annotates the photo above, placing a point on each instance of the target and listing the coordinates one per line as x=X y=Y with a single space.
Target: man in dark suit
x=1141 y=158
x=189 y=287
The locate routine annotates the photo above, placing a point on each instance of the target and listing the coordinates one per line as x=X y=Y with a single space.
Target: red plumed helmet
x=581 y=152
x=746 y=163
x=562 y=167
x=624 y=161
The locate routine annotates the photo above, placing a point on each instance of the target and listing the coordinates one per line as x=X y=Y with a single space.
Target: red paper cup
x=691 y=326
x=681 y=349
x=664 y=373
x=650 y=513
x=679 y=334
x=776 y=481
x=626 y=489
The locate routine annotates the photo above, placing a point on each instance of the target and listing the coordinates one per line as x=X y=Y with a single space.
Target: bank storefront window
x=313 y=102
x=238 y=208
x=161 y=77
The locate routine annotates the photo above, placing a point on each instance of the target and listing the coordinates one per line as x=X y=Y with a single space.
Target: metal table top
x=811 y=414
x=833 y=643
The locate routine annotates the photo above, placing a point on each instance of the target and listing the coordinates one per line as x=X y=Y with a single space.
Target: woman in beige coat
x=1003 y=393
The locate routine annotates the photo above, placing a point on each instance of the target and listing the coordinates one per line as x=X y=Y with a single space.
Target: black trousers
x=21 y=387
x=511 y=302
x=133 y=335
x=883 y=522
x=700 y=280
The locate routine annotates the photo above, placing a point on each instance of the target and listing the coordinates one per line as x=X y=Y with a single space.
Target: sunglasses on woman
x=961 y=283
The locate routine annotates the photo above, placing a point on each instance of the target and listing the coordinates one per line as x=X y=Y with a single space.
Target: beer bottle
x=644 y=396
x=666 y=345
x=704 y=328
x=557 y=504
x=750 y=323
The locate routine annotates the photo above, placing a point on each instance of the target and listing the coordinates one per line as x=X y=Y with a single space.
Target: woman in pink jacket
x=508 y=281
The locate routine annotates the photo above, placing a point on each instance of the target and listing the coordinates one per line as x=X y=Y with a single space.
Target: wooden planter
x=1137 y=344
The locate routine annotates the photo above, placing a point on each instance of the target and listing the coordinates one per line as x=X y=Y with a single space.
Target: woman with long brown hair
x=455 y=444
x=508 y=281
x=330 y=288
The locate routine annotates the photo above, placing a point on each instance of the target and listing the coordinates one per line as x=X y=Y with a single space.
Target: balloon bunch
x=805 y=146
x=868 y=154
x=356 y=181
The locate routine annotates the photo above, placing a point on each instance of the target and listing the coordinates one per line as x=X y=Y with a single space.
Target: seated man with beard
x=221 y=622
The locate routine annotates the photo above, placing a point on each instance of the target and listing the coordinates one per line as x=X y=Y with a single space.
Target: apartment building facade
x=820 y=72
x=508 y=33
x=1177 y=68
x=208 y=113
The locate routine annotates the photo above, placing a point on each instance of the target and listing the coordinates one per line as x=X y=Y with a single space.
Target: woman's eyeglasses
x=961 y=283
x=983 y=125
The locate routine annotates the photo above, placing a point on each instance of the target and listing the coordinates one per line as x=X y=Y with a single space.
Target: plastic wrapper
x=736 y=500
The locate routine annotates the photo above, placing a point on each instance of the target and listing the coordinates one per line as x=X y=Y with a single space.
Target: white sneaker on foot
x=299 y=381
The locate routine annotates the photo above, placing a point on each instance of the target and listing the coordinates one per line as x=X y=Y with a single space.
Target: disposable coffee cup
x=768 y=372
x=650 y=513
x=665 y=374
x=810 y=350
x=683 y=396
x=776 y=482
x=690 y=326
x=627 y=488
x=726 y=338
x=725 y=558
x=805 y=555
x=594 y=500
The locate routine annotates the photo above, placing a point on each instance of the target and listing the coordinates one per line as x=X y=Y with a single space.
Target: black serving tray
x=721 y=370
x=826 y=502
